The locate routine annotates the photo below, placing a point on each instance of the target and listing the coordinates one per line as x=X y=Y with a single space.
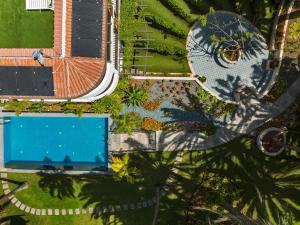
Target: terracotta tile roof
x=73 y=77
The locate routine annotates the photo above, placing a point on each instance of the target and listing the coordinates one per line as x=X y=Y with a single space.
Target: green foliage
x=203 y=20
x=36 y=107
x=76 y=108
x=277 y=90
x=213 y=106
x=109 y=104
x=202 y=79
x=293 y=39
x=171 y=28
x=209 y=130
x=178 y=10
x=135 y=96
x=128 y=122
x=17 y=106
x=123 y=170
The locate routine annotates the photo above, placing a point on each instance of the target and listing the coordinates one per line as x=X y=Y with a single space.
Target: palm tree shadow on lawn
x=266 y=185
x=102 y=190
x=58 y=184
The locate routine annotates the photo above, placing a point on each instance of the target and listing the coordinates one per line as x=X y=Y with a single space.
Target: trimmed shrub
x=202 y=79
x=150 y=124
x=159 y=23
x=172 y=4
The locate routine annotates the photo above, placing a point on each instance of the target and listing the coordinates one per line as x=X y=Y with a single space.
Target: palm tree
x=135 y=96
x=123 y=170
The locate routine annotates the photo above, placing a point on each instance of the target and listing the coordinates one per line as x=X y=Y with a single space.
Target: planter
x=272 y=141
x=231 y=54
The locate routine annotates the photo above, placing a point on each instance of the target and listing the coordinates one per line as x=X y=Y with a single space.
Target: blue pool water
x=56 y=141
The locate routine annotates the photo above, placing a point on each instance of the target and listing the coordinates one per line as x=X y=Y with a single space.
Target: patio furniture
x=39 y=4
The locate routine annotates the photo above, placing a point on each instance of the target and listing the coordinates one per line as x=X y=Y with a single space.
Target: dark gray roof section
x=87 y=28
x=26 y=81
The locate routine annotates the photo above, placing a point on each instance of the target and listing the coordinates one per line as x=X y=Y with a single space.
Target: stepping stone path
x=78 y=211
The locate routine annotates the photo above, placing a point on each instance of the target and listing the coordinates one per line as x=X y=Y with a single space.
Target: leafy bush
x=76 y=108
x=36 y=107
x=135 y=96
x=202 y=79
x=212 y=105
x=17 y=106
x=150 y=124
x=152 y=105
x=109 y=104
x=209 y=130
x=171 y=4
x=123 y=170
x=293 y=39
x=277 y=90
x=128 y=122
x=159 y=23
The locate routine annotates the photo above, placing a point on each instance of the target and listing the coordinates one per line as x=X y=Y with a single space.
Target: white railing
x=39 y=4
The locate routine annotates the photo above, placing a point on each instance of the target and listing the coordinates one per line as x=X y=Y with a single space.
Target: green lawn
x=24 y=29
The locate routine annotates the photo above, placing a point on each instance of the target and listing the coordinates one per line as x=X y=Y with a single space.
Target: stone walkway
x=77 y=211
x=92 y=211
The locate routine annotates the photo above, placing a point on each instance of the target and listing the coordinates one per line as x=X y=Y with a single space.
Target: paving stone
x=4 y=181
x=118 y=207
x=139 y=205
x=6 y=191
x=11 y=196
x=3 y=175
x=56 y=212
x=33 y=210
x=91 y=210
x=43 y=212
x=70 y=211
x=38 y=212
x=5 y=186
x=125 y=207
x=144 y=204
x=50 y=212
x=22 y=207
x=14 y=200
x=83 y=211
x=18 y=204
x=27 y=209
x=77 y=211
x=63 y=212
x=132 y=206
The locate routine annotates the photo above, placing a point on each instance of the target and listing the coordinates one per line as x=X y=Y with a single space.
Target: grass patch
x=25 y=29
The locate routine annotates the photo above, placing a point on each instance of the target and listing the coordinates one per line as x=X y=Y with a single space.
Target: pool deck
x=2 y=164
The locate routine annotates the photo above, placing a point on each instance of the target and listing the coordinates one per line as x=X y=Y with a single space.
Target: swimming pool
x=57 y=141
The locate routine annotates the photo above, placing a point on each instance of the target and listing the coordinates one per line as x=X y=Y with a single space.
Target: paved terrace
x=222 y=78
x=72 y=76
